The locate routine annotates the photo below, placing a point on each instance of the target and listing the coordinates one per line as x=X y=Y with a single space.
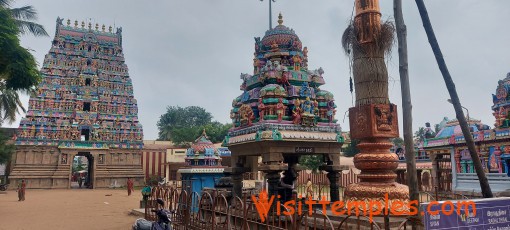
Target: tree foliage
x=10 y=105
x=312 y=162
x=6 y=150
x=24 y=18
x=217 y=131
x=183 y=125
x=426 y=132
x=18 y=68
x=397 y=141
x=351 y=149
x=177 y=120
x=78 y=166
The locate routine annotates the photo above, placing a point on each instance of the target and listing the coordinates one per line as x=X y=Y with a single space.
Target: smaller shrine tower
x=281 y=115
x=203 y=165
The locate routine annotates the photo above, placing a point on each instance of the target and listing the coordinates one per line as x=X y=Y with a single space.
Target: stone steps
x=119 y=171
x=40 y=171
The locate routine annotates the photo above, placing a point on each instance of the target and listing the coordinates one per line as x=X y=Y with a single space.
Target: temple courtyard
x=68 y=209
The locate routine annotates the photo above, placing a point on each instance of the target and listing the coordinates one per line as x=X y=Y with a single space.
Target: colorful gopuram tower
x=84 y=106
x=282 y=115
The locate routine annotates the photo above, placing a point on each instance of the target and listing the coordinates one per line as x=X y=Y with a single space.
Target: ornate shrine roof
x=282 y=99
x=203 y=153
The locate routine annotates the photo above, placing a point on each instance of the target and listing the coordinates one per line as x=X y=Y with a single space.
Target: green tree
x=18 y=68
x=178 y=121
x=78 y=166
x=420 y=134
x=312 y=162
x=397 y=141
x=351 y=149
x=217 y=131
x=6 y=150
x=10 y=105
x=24 y=18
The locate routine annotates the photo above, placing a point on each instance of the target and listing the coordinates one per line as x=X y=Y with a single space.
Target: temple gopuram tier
x=83 y=106
x=282 y=115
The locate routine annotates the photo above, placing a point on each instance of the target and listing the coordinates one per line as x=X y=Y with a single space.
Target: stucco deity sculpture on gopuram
x=373 y=120
x=84 y=105
x=501 y=100
x=282 y=114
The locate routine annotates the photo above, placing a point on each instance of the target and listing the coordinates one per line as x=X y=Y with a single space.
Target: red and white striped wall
x=153 y=162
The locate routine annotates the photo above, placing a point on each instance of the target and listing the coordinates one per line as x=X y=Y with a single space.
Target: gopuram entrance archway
x=282 y=114
x=88 y=177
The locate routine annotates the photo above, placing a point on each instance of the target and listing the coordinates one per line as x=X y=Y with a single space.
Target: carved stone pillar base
x=273 y=180
x=374 y=124
x=236 y=175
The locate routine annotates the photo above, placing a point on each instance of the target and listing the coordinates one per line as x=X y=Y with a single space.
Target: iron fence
x=214 y=209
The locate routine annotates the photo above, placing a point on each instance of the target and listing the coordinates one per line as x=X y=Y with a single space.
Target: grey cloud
x=192 y=52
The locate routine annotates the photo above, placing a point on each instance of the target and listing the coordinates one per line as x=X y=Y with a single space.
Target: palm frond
x=5 y=3
x=24 y=13
x=31 y=27
x=10 y=104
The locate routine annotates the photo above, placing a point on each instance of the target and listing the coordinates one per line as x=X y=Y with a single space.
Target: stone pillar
x=434 y=173
x=272 y=165
x=334 y=191
x=506 y=166
x=237 y=182
x=290 y=177
x=236 y=173
x=273 y=179
x=333 y=168
x=418 y=172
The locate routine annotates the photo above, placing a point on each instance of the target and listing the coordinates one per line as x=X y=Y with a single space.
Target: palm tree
x=18 y=68
x=10 y=105
x=484 y=183
x=24 y=18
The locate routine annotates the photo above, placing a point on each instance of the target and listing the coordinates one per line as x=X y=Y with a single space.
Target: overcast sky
x=191 y=52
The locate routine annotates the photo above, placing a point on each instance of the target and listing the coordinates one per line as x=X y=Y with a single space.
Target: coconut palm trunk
x=484 y=183
x=412 y=180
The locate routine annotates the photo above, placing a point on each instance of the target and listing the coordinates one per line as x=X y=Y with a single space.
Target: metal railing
x=212 y=210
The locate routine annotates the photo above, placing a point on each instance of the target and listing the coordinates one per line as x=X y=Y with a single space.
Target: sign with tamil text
x=479 y=214
x=304 y=150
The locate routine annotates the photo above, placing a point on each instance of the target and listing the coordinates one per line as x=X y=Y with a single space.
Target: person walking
x=309 y=189
x=21 y=190
x=80 y=181
x=129 y=186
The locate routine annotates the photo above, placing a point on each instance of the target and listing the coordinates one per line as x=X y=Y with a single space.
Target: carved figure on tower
x=280 y=109
x=262 y=109
x=296 y=60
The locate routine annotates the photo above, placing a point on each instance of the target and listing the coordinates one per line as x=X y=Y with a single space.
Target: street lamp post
x=467 y=111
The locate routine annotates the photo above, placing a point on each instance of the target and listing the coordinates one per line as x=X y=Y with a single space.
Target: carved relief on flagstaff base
x=374 y=120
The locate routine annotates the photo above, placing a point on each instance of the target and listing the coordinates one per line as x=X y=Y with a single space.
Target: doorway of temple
x=82 y=172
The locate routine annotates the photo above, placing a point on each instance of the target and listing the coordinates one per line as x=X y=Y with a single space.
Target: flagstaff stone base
x=379 y=196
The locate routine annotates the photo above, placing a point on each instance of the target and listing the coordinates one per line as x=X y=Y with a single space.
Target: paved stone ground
x=68 y=209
